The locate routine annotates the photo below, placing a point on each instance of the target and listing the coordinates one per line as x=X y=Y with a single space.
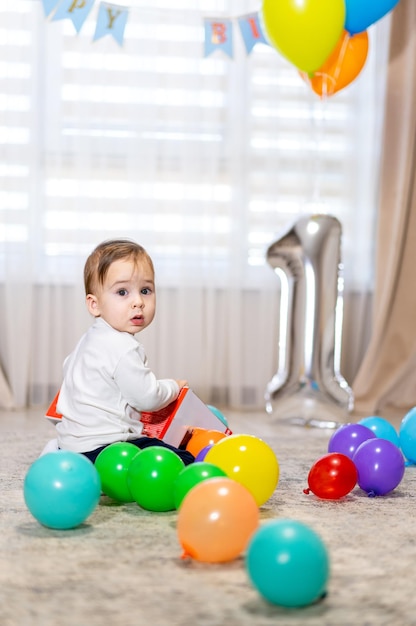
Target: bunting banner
x=218 y=36
x=251 y=31
x=111 y=20
x=75 y=10
x=49 y=6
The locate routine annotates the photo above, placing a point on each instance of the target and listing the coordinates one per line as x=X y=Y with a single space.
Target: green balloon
x=112 y=465
x=191 y=476
x=151 y=477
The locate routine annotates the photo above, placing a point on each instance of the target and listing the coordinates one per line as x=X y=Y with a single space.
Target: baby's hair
x=106 y=253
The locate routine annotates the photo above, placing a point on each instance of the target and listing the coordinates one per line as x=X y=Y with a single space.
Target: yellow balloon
x=249 y=461
x=304 y=31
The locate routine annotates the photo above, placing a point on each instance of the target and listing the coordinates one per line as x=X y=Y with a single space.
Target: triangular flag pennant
x=111 y=20
x=218 y=36
x=49 y=6
x=75 y=10
x=251 y=31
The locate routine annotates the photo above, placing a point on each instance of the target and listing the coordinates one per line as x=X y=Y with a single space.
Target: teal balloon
x=112 y=465
x=407 y=435
x=61 y=489
x=151 y=477
x=191 y=476
x=381 y=428
x=288 y=563
x=218 y=413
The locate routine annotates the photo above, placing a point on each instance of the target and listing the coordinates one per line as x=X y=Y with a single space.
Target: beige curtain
x=6 y=398
x=387 y=375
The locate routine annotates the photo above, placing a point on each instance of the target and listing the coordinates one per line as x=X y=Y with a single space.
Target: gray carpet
x=123 y=567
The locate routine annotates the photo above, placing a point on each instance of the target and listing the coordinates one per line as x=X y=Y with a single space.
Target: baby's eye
x=122 y=292
x=145 y=291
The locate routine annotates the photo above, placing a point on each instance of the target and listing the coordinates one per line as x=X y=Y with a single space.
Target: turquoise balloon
x=407 y=435
x=218 y=413
x=288 y=563
x=112 y=465
x=151 y=477
x=381 y=428
x=191 y=476
x=61 y=489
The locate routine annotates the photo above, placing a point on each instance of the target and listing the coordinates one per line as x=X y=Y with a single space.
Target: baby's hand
x=182 y=383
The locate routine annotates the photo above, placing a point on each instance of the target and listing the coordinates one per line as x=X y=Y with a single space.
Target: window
x=203 y=160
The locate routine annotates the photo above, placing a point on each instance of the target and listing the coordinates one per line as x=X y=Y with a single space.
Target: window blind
x=203 y=160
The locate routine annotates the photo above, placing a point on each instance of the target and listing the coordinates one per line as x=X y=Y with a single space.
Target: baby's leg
x=146 y=442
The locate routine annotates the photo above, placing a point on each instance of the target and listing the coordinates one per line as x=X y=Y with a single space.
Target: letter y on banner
x=75 y=10
x=111 y=20
x=218 y=36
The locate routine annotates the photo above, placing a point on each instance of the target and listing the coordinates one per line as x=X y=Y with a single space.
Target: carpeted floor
x=123 y=566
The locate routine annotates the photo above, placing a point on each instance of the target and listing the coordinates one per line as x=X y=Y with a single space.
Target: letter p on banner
x=75 y=10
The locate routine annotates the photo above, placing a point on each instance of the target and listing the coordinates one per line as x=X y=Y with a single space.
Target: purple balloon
x=202 y=453
x=349 y=437
x=380 y=465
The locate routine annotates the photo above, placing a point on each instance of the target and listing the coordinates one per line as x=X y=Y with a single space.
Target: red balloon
x=332 y=477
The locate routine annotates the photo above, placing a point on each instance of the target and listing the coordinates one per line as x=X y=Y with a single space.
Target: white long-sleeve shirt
x=107 y=383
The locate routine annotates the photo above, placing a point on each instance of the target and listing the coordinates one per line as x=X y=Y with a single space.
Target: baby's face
x=127 y=298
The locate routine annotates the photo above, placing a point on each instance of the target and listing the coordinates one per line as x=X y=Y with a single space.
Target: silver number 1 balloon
x=308 y=386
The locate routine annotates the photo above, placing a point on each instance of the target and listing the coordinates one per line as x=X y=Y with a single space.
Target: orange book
x=175 y=423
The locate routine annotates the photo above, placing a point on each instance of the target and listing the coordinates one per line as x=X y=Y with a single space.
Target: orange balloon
x=203 y=438
x=342 y=66
x=216 y=520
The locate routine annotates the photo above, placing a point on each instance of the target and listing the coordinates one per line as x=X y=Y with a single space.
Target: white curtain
x=203 y=160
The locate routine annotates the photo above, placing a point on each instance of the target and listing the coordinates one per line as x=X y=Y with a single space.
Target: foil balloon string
x=308 y=387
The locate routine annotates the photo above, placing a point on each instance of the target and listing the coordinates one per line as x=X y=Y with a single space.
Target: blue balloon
x=218 y=413
x=380 y=466
x=360 y=14
x=381 y=428
x=348 y=438
x=61 y=489
x=407 y=435
x=288 y=563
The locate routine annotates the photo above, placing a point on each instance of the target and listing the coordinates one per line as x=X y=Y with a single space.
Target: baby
x=107 y=381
